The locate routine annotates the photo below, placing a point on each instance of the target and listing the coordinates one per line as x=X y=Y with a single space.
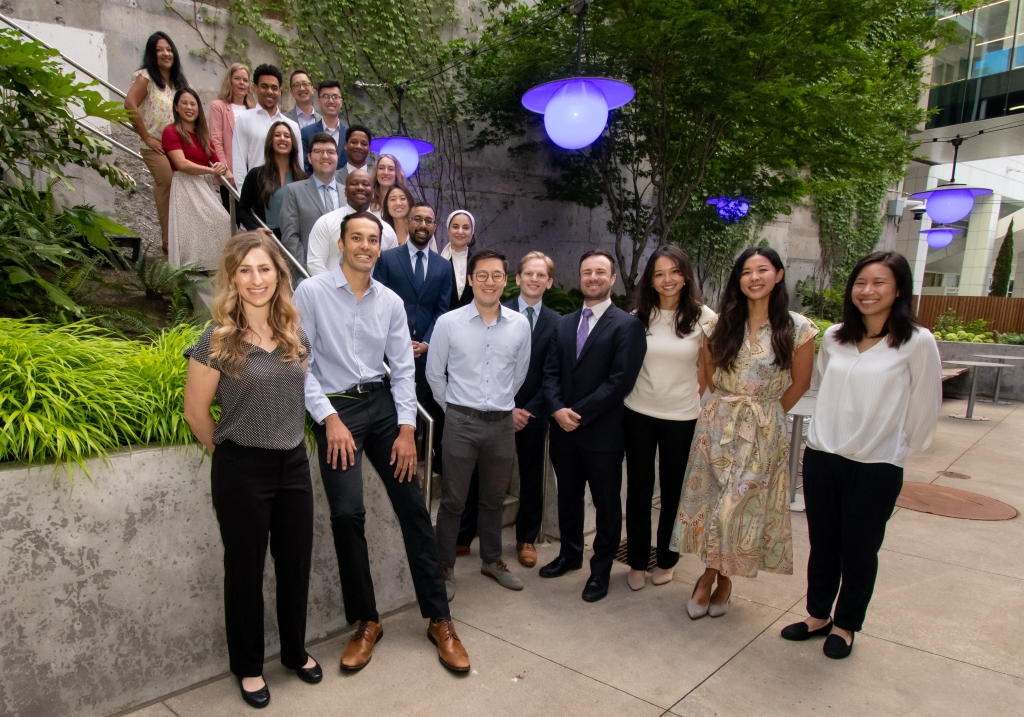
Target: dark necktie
x=529 y=315
x=418 y=273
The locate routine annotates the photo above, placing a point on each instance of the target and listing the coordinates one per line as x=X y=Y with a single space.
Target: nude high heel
x=693 y=609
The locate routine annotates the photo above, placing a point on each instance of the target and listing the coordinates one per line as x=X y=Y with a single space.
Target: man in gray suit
x=306 y=201
x=303 y=113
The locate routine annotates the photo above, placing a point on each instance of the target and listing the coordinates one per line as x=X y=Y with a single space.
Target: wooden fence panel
x=1002 y=313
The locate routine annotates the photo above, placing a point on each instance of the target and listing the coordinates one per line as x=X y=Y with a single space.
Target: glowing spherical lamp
x=949 y=203
x=406 y=149
x=941 y=237
x=576 y=110
x=731 y=209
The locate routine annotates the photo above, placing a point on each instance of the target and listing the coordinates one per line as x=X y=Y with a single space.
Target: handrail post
x=231 y=211
x=428 y=464
x=543 y=535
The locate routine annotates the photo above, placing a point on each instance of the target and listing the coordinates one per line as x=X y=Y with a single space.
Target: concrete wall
x=1012 y=386
x=111 y=595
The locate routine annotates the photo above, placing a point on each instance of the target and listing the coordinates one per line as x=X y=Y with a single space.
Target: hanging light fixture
x=576 y=109
x=941 y=237
x=731 y=209
x=406 y=149
x=950 y=202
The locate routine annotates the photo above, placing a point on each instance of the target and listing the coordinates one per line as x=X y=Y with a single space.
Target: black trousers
x=671 y=440
x=848 y=504
x=530 y=450
x=258 y=493
x=425 y=395
x=575 y=467
x=373 y=422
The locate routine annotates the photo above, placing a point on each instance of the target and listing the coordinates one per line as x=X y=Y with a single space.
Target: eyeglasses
x=497 y=277
x=421 y=220
x=301 y=85
x=324 y=152
x=330 y=98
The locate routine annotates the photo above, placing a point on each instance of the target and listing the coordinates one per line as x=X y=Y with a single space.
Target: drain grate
x=652 y=559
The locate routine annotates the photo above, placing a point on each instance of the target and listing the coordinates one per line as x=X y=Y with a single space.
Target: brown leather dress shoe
x=527 y=554
x=360 y=648
x=461 y=550
x=450 y=651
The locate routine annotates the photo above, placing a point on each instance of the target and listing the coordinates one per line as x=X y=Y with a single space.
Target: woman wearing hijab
x=461 y=227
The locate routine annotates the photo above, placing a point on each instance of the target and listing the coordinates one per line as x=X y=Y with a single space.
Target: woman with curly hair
x=253 y=359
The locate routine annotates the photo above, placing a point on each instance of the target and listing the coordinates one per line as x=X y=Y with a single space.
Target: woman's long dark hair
x=149 y=62
x=900 y=325
x=688 y=311
x=727 y=338
x=384 y=213
x=200 y=128
x=269 y=178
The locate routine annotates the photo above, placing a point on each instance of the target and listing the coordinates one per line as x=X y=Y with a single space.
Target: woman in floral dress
x=734 y=510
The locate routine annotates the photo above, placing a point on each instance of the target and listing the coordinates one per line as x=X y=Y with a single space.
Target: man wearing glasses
x=329 y=96
x=306 y=201
x=303 y=113
x=479 y=360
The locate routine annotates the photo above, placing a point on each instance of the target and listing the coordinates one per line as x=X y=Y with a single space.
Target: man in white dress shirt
x=250 y=136
x=323 y=254
x=478 y=359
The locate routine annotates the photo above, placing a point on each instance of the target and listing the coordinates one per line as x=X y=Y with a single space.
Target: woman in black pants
x=881 y=390
x=253 y=359
x=662 y=409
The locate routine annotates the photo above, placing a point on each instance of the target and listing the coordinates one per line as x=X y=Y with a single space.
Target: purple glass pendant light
x=731 y=209
x=576 y=109
x=939 y=238
x=406 y=149
x=950 y=202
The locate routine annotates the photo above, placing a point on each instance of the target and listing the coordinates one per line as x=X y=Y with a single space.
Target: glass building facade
x=983 y=76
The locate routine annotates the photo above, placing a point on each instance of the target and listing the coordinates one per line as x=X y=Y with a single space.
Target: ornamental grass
x=72 y=392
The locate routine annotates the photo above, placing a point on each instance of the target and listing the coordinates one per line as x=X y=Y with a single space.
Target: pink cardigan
x=222 y=130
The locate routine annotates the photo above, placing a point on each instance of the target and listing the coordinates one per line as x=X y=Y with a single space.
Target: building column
x=976 y=274
x=913 y=246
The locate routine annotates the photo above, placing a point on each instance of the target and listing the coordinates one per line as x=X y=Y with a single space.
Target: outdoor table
x=975 y=365
x=804 y=408
x=999 y=374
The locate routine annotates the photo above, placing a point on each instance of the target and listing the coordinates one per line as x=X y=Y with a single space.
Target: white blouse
x=667 y=385
x=878 y=406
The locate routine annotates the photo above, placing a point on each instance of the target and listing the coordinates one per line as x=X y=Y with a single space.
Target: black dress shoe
x=836 y=647
x=559 y=567
x=312 y=675
x=595 y=589
x=798 y=631
x=259 y=698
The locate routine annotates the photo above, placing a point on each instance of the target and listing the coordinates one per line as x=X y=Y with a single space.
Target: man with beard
x=323 y=253
x=250 y=135
x=595 y=359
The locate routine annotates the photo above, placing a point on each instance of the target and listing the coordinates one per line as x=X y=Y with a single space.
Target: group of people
x=693 y=399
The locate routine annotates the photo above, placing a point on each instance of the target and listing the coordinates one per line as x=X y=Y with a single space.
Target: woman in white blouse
x=461 y=227
x=662 y=409
x=881 y=389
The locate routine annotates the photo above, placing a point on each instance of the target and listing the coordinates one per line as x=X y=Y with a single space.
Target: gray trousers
x=474 y=443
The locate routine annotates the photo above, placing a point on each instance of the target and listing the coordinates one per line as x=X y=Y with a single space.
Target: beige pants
x=160 y=167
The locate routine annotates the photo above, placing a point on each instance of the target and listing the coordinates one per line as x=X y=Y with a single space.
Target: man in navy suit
x=329 y=95
x=593 y=363
x=423 y=280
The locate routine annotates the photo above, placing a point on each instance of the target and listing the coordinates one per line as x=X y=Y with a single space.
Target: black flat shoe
x=258 y=699
x=595 y=589
x=798 y=631
x=836 y=647
x=559 y=567
x=312 y=675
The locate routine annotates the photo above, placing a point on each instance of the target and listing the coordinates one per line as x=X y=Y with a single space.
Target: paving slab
x=775 y=677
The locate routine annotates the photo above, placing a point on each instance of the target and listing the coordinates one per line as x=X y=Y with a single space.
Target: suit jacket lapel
x=403 y=258
x=317 y=199
x=600 y=326
x=570 y=335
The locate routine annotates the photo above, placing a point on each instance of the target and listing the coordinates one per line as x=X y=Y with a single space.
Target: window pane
x=951 y=64
x=993 y=43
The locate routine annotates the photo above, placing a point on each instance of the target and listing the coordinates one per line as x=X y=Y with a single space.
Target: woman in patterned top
x=734 y=509
x=253 y=360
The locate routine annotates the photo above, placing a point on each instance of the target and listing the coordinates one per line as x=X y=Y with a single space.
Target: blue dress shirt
x=350 y=340
x=536 y=310
x=486 y=363
x=412 y=255
x=332 y=188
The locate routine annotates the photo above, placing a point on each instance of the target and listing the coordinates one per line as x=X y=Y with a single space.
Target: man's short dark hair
x=358 y=128
x=483 y=254
x=421 y=203
x=322 y=138
x=327 y=84
x=598 y=252
x=266 y=69
x=359 y=215
x=291 y=77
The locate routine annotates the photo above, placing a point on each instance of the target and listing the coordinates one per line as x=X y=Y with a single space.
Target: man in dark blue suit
x=595 y=357
x=423 y=279
x=329 y=96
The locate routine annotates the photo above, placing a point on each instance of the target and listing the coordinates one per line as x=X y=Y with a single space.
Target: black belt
x=482 y=415
x=359 y=388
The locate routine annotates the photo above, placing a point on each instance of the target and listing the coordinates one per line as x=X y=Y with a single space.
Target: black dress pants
x=575 y=467
x=671 y=440
x=258 y=492
x=373 y=422
x=848 y=504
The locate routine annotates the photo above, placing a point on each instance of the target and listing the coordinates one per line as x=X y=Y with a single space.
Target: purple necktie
x=584 y=331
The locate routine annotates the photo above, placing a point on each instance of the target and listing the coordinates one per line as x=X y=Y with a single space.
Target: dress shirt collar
x=474 y=313
x=277 y=112
x=341 y=281
x=599 y=309
x=523 y=305
x=333 y=184
x=412 y=250
x=350 y=168
x=307 y=118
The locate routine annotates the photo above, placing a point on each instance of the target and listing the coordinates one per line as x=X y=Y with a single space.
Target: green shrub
x=822 y=324
x=950 y=326
x=71 y=392
x=1016 y=339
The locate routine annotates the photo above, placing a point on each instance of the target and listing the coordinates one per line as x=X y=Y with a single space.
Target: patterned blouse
x=264 y=406
x=157 y=109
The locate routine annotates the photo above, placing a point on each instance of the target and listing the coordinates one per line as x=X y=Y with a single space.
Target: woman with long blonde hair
x=252 y=359
x=387 y=173
x=235 y=97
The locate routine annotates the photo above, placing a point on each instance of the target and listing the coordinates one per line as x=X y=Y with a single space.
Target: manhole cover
x=954 y=474
x=952 y=503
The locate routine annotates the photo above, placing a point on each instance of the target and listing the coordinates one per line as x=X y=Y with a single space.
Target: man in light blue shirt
x=353 y=324
x=479 y=356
